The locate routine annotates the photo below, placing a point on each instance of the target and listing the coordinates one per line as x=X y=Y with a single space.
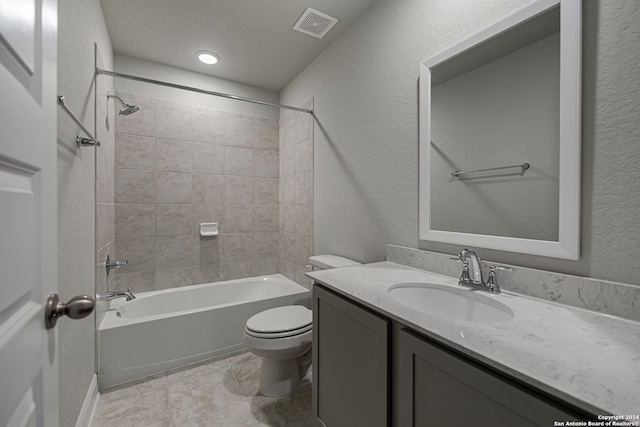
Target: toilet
x=282 y=337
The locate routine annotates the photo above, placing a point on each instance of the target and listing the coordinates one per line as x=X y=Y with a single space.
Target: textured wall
x=296 y=195
x=366 y=134
x=178 y=165
x=610 y=135
x=81 y=24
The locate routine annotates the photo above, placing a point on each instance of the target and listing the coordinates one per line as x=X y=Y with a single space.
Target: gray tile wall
x=178 y=165
x=296 y=195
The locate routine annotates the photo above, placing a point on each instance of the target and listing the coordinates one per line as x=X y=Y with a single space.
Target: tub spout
x=111 y=295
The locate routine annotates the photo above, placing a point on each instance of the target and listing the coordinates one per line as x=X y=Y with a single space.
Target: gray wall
x=366 y=133
x=81 y=24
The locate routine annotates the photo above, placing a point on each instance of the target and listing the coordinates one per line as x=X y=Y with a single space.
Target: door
x=28 y=212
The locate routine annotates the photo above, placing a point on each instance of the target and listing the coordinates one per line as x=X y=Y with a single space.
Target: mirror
x=500 y=135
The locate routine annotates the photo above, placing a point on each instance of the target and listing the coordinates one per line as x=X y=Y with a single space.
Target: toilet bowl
x=282 y=337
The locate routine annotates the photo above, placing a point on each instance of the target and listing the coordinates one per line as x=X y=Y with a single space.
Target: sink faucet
x=111 y=295
x=472 y=277
x=475 y=278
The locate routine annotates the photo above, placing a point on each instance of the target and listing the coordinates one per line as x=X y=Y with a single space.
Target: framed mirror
x=500 y=135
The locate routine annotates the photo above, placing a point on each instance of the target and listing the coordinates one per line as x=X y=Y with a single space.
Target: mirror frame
x=568 y=244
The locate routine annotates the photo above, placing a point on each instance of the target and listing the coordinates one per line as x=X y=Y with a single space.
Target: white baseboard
x=89 y=405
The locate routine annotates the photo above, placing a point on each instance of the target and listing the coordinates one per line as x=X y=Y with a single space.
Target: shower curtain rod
x=194 y=89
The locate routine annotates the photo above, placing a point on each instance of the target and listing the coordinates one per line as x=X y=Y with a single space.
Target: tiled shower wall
x=296 y=195
x=178 y=165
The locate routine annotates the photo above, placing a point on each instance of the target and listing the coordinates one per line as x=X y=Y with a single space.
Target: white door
x=28 y=212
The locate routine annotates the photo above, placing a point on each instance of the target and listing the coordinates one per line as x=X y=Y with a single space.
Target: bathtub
x=167 y=329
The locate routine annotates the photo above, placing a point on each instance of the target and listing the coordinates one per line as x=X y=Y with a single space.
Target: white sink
x=450 y=303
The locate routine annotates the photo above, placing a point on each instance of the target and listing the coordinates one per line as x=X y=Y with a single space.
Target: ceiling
x=254 y=38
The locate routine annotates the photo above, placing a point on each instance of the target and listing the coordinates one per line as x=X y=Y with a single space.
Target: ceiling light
x=207 y=57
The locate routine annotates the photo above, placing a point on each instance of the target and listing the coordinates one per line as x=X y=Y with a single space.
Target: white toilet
x=282 y=337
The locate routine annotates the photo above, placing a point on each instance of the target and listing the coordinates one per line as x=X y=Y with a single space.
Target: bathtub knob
x=77 y=308
x=114 y=264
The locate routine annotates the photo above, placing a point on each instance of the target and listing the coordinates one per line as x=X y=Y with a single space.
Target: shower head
x=126 y=108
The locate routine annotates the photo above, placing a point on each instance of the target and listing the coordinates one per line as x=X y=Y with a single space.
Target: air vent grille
x=315 y=23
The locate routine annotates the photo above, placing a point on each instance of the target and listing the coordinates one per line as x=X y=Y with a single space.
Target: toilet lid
x=293 y=318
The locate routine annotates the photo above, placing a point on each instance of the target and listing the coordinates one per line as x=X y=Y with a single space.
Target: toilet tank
x=325 y=262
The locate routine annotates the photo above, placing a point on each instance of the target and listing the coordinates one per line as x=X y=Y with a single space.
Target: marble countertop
x=588 y=359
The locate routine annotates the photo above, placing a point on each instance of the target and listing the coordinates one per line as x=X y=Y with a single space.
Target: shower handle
x=114 y=264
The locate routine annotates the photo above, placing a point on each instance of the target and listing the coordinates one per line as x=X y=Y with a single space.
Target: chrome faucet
x=111 y=295
x=472 y=277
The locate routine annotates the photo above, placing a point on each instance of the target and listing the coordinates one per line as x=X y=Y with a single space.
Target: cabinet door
x=350 y=363
x=438 y=388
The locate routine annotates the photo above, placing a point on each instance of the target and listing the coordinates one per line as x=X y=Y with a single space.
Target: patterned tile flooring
x=218 y=392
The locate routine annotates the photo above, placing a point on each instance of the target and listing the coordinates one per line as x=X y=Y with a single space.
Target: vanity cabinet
x=350 y=363
x=440 y=388
x=371 y=371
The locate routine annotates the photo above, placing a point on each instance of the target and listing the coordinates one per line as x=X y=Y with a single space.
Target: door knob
x=77 y=308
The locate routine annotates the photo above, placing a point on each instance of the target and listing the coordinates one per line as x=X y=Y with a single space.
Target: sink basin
x=450 y=303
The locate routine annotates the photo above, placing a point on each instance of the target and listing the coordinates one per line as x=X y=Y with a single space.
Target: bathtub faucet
x=111 y=295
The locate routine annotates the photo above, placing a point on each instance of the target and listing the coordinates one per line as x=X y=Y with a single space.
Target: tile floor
x=218 y=392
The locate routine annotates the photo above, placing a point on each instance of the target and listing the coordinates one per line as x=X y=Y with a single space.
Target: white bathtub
x=167 y=329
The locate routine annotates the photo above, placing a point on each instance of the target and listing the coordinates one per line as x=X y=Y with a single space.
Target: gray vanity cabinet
x=371 y=371
x=350 y=363
x=440 y=388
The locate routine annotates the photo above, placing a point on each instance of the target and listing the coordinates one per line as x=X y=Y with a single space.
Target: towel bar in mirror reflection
x=523 y=166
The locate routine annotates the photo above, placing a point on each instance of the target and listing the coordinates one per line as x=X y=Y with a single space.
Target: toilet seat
x=280 y=322
x=284 y=334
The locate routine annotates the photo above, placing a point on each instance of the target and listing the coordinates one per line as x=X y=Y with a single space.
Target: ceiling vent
x=315 y=23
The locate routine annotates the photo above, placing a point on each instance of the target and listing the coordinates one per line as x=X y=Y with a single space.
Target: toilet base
x=280 y=378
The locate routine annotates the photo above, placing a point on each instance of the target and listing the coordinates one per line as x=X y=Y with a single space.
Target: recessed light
x=207 y=57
